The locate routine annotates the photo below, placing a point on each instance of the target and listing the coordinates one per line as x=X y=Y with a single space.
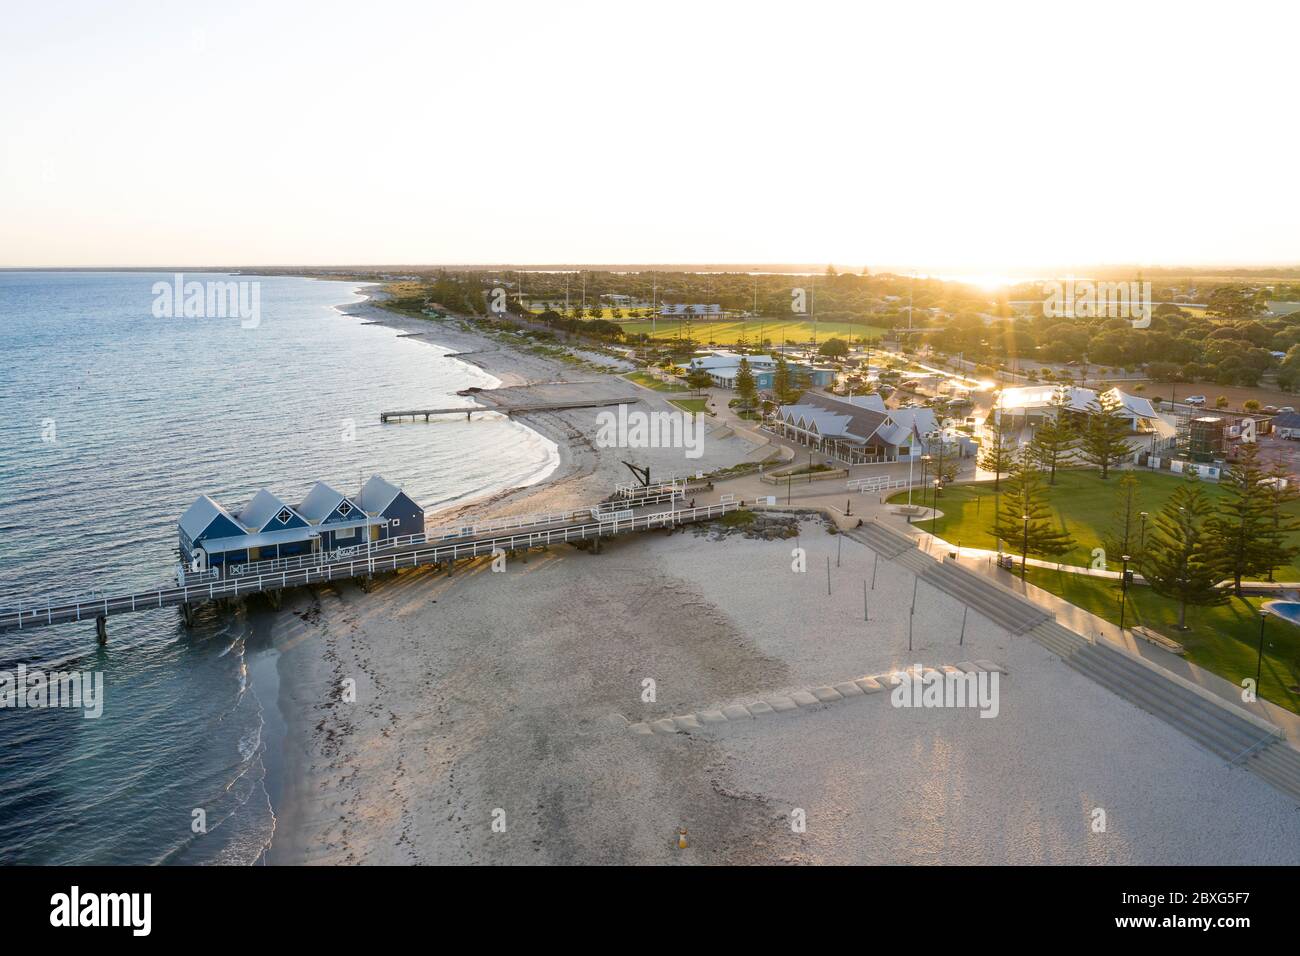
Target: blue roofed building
x=401 y=516
x=276 y=530
x=338 y=519
x=206 y=521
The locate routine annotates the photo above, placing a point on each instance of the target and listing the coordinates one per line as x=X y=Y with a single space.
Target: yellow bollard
x=681 y=839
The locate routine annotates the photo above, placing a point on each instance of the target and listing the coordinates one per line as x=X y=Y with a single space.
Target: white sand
x=499 y=695
x=484 y=691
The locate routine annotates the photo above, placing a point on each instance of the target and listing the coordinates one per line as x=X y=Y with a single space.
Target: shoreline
x=313 y=627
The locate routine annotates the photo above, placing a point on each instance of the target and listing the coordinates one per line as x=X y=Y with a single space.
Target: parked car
x=1194 y=400
x=1271 y=409
x=1286 y=410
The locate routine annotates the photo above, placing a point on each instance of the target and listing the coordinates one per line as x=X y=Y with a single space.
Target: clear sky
x=981 y=136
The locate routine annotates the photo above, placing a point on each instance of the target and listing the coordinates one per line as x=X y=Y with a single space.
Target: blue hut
x=338 y=519
x=401 y=516
x=274 y=529
x=205 y=529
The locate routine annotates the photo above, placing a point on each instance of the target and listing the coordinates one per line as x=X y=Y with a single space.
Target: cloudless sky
x=979 y=136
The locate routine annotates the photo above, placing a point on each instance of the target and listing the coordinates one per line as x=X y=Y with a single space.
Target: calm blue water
x=146 y=414
x=1287 y=610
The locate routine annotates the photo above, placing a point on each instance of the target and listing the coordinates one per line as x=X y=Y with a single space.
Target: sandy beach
x=493 y=713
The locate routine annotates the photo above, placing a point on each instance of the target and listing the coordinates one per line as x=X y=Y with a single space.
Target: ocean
x=114 y=421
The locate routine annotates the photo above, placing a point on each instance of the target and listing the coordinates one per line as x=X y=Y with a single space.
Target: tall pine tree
x=1025 y=519
x=745 y=388
x=1180 y=561
x=1242 y=529
x=997 y=453
x=1282 y=490
x=1103 y=440
x=1055 y=439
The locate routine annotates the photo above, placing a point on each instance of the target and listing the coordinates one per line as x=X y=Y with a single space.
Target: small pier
x=489 y=537
x=517 y=409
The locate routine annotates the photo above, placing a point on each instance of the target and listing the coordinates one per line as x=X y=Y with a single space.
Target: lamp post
x=1123 y=592
x=1142 y=535
x=1024 y=552
x=1259 y=661
x=934 y=504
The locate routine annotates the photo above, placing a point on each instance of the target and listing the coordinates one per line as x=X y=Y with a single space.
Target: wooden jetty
x=519 y=409
x=361 y=564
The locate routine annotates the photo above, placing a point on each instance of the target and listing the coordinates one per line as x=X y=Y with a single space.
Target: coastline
x=317 y=630
x=481 y=695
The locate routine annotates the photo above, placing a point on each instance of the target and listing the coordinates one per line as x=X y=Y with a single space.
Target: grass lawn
x=1222 y=639
x=649 y=381
x=1084 y=504
x=728 y=333
x=691 y=404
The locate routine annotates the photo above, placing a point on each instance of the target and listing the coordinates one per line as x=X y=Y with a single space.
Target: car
x=1271 y=409
x=1286 y=410
x=910 y=384
x=1194 y=400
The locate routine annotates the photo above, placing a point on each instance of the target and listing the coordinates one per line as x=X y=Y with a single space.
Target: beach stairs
x=1239 y=738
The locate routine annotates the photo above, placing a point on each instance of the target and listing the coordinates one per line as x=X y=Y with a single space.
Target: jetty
x=515 y=409
x=438 y=547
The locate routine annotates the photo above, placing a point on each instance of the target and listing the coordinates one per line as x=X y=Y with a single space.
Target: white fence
x=877 y=483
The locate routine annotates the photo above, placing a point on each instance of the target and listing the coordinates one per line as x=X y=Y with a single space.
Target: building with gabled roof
x=401 y=516
x=206 y=521
x=854 y=430
x=338 y=518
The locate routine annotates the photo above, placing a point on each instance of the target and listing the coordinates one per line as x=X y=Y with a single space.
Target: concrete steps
x=1279 y=764
x=886 y=541
x=1215 y=726
x=1000 y=606
x=1057 y=638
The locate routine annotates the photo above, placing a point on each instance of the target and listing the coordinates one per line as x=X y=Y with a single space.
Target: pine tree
x=1025 y=518
x=1121 y=537
x=781 y=381
x=1180 y=560
x=996 y=454
x=745 y=387
x=1103 y=440
x=1055 y=439
x=1282 y=490
x=1242 y=529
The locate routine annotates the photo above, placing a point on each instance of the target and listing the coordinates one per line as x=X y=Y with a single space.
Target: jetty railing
x=51 y=612
x=385 y=545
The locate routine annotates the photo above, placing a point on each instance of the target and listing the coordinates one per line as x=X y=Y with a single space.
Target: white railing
x=65 y=611
x=877 y=483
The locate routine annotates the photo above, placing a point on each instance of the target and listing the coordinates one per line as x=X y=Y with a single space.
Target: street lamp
x=1259 y=661
x=934 y=503
x=1024 y=552
x=1123 y=592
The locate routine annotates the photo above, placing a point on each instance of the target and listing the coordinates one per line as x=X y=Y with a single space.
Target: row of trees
x=1100 y=439
x=1194 y=543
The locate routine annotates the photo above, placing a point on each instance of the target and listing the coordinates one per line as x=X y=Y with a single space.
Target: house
x=274 y=529
x=204 y=522
x=856 y=430
x=338 y=519
x=723 y=367
x=401 y=516
x=1287 y=425
x=680 y=310
x=269 y=528
x=1030 y=406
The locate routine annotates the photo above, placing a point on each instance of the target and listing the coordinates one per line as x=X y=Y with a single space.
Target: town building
x=857 y=430
x=724 y=366
x=268 y=527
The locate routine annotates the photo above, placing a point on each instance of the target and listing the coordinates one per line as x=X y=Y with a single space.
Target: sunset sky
x=992 y=137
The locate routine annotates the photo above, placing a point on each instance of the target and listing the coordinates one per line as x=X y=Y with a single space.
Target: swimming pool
x=1287 y=610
